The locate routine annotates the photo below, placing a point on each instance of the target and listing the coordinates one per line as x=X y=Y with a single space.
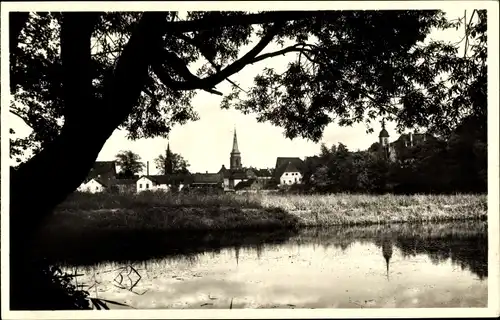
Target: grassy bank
x=161 y=211
x=89 y=228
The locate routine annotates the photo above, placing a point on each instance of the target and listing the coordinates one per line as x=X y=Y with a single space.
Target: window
x=295 y=179
x=286 y=173
x=147 y=185
x=96 y=188
x=140 y=186
x=290 y=181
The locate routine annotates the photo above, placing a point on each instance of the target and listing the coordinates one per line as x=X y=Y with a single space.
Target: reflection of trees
x=465 y=243
x=467 y=252
x=122 y=248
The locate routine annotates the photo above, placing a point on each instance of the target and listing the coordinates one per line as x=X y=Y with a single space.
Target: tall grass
x=337 y=209
x=159 y=210
x=96 y=201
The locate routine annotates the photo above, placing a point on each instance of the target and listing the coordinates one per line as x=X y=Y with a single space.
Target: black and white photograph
x=249 y=159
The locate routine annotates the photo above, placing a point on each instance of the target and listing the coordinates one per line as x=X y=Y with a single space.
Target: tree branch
x=214 y=65
x=180 y=67
x=211 y=22
x=294 y=48
x=20 y=116
x=209 y=82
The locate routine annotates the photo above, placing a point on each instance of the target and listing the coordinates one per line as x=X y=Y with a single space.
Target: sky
x=206 y=144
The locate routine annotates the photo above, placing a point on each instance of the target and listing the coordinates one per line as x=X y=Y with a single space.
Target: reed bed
x=164 y=211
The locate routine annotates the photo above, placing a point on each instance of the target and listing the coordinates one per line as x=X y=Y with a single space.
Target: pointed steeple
x=235 y=143
x=168 y=160
x=235 y=157
x=168 y=149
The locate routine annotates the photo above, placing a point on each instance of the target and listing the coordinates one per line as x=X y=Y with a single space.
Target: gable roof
x=207 y=178
x=290 y=167
x=103 y=169
x=246 y=184
x=169 y=178
x=223 y=169
x=99 y=181
x=288 y=163
x=236 y=173
x=416 y=137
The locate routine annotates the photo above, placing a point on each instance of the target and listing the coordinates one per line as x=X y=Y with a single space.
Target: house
x=232 y=177
x=100 y=177
x=406 y=140
x=255 y=185
x=125 y=185
x=163 y=182
x=207 y=181
x=94 y=185
x=288 y=170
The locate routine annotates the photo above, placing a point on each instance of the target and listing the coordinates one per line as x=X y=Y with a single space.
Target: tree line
x=131 y=165
x=454 y=164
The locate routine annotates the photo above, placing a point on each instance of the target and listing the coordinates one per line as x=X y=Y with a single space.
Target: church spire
x=235 y=143
x=168 y=160
x=235 y=159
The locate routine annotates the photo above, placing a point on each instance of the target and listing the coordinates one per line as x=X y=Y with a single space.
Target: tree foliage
x=129 y=162
x=360 y=67
x=178 y=163
x=458 y=164
x=349 y=66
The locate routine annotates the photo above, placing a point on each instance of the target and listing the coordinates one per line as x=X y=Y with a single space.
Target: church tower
x=168 y=160
x=235 y=159
x=383 y=139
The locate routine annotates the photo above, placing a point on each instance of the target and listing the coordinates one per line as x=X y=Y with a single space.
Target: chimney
x=147 y=168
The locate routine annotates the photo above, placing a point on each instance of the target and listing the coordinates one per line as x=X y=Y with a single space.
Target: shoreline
x=94 y=228
x=306 y=218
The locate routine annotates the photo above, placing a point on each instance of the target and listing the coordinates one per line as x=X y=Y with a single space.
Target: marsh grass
x=164 y=211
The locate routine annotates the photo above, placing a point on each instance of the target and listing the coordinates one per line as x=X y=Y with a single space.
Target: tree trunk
x=45 y=180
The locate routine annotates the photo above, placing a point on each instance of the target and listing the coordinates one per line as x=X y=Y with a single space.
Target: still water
x=443 y=265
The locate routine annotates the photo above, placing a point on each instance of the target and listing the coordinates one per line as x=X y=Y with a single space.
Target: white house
x=289 y=171
x=99 y=178
x=92 y=186
x=161 y=182
x=291 y=175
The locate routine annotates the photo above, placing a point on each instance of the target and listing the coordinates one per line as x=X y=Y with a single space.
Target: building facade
x=391 y=150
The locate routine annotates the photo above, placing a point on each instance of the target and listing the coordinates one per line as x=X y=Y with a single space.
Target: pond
x=424 y=265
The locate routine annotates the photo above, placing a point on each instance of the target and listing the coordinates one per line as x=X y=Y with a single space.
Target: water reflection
x=438 y=265
x=387 y=252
